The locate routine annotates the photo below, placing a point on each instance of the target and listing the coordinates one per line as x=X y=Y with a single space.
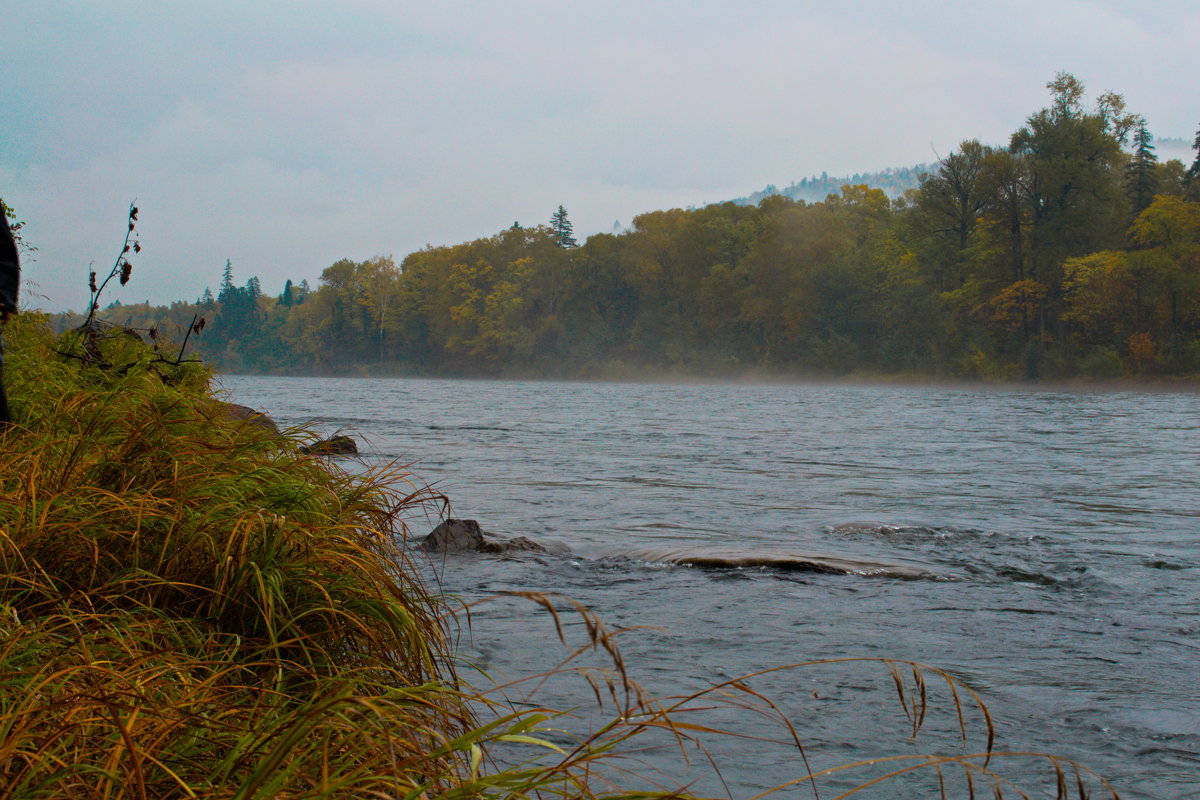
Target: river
x=1059 y=531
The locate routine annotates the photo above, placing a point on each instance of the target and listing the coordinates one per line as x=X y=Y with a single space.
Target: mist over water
x=1058 y=534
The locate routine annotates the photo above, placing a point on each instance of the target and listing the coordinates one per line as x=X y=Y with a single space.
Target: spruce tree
x=1140 y=175
x=227 y=286
x=563 y=229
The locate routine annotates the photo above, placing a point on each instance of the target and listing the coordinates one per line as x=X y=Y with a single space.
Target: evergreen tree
x=1192 y=178
x=563 y=229
x=238 y=317
x=1140 y=175
x=226 y=281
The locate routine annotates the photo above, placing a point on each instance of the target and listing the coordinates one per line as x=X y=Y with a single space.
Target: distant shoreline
x=1181 y=385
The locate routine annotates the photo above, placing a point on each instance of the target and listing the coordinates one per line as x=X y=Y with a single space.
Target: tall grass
x=187 y=601
x=190 y=607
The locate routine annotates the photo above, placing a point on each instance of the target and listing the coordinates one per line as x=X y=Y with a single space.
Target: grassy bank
x=190 y=607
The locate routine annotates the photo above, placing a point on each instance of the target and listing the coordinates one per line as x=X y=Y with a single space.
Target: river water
x=1060 y=532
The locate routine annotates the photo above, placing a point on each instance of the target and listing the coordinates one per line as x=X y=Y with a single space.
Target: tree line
x=1070 y=251
x=894 y=182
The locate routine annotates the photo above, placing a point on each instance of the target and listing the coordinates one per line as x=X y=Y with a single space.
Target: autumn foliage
x=1039 y=259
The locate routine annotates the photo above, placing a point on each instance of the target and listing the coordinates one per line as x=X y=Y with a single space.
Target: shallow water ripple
x=1063 y=528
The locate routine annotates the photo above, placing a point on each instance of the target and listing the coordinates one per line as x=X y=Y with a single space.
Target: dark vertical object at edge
x=10 y=274
x=5 y=415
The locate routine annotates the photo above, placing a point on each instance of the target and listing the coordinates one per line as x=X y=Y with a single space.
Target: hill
x=893 y=181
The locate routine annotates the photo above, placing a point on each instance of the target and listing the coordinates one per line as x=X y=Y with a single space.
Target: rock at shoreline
x=244 y=415
x=239 y=415
x=465 y=536
x=333 y=446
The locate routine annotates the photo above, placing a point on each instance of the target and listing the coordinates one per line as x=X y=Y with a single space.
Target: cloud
x=287 y=136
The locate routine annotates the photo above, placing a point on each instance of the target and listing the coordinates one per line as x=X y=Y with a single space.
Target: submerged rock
x=333 y=446
x=519 y=544
x=466 y=536
x=784 y=562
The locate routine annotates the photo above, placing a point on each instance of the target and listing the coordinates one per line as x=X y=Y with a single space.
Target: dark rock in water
x=522 y=544
x=784 y=562
x=518 y=544
x=333 y=446
x=465 y=536
x=454 y=536
x=244 y=415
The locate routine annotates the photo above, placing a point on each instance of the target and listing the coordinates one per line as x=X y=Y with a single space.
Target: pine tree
x=1140 y=175
x=563 y=229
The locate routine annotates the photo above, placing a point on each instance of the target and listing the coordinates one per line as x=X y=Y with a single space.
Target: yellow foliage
x=1097 y=288
x=1171 y=223
x=1017 y=303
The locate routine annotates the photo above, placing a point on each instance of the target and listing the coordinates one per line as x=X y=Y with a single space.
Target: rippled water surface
x=1061 y=528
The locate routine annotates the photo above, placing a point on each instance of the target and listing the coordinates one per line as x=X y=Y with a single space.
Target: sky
x=284 y=135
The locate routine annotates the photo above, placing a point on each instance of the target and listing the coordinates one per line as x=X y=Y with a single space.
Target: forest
x=1071 y=251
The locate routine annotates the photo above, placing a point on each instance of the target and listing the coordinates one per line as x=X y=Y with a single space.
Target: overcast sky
x=285 y=135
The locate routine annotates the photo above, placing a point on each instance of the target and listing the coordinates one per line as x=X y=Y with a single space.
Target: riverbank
x=193 y=608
